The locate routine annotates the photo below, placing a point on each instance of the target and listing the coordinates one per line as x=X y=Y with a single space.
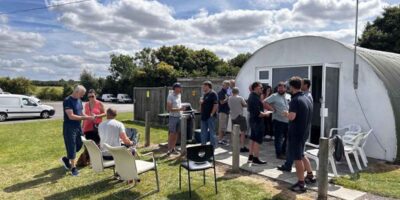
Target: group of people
x=290 y=122
x=110 y=131
x=280 y=114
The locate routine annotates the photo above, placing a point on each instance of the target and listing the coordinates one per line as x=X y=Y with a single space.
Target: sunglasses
x=91 y=96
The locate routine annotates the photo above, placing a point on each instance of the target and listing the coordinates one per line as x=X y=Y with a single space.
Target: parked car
x=21 y=106
x=123 y=98
x=108 y=98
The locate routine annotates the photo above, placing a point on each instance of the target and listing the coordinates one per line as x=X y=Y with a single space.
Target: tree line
x=160 y=67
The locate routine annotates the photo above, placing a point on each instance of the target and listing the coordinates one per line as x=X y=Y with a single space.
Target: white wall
x=373 y=95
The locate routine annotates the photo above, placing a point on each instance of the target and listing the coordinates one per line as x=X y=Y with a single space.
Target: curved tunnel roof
x=387 y=67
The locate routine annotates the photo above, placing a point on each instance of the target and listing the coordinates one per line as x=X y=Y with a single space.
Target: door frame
x=323 y=110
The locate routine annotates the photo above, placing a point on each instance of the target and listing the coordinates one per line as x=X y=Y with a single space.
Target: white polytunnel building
x=329 y=66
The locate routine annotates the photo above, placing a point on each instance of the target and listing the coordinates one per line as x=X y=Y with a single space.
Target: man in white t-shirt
x=236 y=104
x=112 y=132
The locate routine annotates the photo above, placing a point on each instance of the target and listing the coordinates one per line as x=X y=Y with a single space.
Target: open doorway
x=316 y=91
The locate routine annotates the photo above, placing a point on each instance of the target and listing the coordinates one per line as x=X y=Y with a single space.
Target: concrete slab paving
x=224 y=155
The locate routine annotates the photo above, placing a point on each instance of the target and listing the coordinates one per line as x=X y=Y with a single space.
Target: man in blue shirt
x=300 y=116
x=256 y=111
x=208 y=107
x=72 y=129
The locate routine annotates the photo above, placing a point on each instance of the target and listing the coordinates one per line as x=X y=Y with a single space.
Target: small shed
x=329 y=65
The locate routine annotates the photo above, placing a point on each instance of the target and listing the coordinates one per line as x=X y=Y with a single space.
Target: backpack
x=339 y=148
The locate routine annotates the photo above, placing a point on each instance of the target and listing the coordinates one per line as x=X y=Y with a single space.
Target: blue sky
x=59 y=42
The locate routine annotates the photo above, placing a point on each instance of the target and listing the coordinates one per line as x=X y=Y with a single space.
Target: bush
x=50 y=93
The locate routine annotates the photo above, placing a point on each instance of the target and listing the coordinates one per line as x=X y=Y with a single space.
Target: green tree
x=178 y=56
x=205 y=61
x=67 y=90
x=384 y=33
x=89 y=81
x=146 y=58
x=121 y=66
x=19 y=85
x=224 y=69
x=239 y=60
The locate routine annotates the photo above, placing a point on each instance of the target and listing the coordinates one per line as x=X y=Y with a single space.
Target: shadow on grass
x=48 y=176
x=94 y=188
x=183 y=195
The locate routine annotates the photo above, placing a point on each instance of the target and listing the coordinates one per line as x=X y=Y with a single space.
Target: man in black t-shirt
x=208 y=107
x=300 y=116
x=256 y=111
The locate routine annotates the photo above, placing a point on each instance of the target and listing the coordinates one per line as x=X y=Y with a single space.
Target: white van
x=108 y=98
x=123 y=98
x=21 y=106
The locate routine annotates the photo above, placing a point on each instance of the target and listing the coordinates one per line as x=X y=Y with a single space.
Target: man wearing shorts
x=300 y=116
x=174 y=106
x=236 y=104
x=256 y=110
x=223 y=113
x=72 y=130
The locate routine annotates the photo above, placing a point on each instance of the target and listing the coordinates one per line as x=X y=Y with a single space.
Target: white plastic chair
x=96 y=157
x=313 y=154
x=352 y=148
x=360 y=147
x=128 y=168
x=348 y=129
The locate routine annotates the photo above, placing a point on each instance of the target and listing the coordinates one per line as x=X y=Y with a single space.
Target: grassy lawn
x=29 y=169
x=380 y=179
x=38 y=89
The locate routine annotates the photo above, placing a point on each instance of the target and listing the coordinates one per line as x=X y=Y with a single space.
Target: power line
x=43 y=7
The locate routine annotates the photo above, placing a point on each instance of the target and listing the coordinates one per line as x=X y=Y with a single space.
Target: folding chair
x=199 y=158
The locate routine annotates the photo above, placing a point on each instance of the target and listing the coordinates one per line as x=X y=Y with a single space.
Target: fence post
x=322 y=173
x=147 y=129
x=235 y=147
x=183 y=133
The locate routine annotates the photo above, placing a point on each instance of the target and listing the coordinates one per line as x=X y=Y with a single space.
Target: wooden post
x=183 y=134
x=147 y=129
x=235 y=147
x=322 y=173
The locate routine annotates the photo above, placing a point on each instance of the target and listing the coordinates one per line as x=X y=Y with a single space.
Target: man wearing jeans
x=208 y=107
x=279 y=103
x=72 y=129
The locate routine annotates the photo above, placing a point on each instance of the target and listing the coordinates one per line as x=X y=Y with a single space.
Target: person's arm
x=125 y=139
x=215 y=107
x=72 y=116
x=102 y=111
x=222 y=98
x=268 y=102
x=244 y=104
x=171 y=109
x=291 y=114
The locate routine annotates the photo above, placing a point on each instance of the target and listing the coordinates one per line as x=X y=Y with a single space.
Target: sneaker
x=175 y=152
x=223 y=143
x=257 y=161
x=299 y=188
x=74 y=172
x=244 y=150
x=310 y=179
x=65 y=162
x=250 y=159
x=284 y=168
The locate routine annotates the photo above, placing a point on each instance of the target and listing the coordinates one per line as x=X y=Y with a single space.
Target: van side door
x=30 y=108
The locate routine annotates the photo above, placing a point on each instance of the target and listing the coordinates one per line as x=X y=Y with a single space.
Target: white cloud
x=13 y=41
x=86 y=44
x=15 y=65
x=268 y=4
x=125 y=26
